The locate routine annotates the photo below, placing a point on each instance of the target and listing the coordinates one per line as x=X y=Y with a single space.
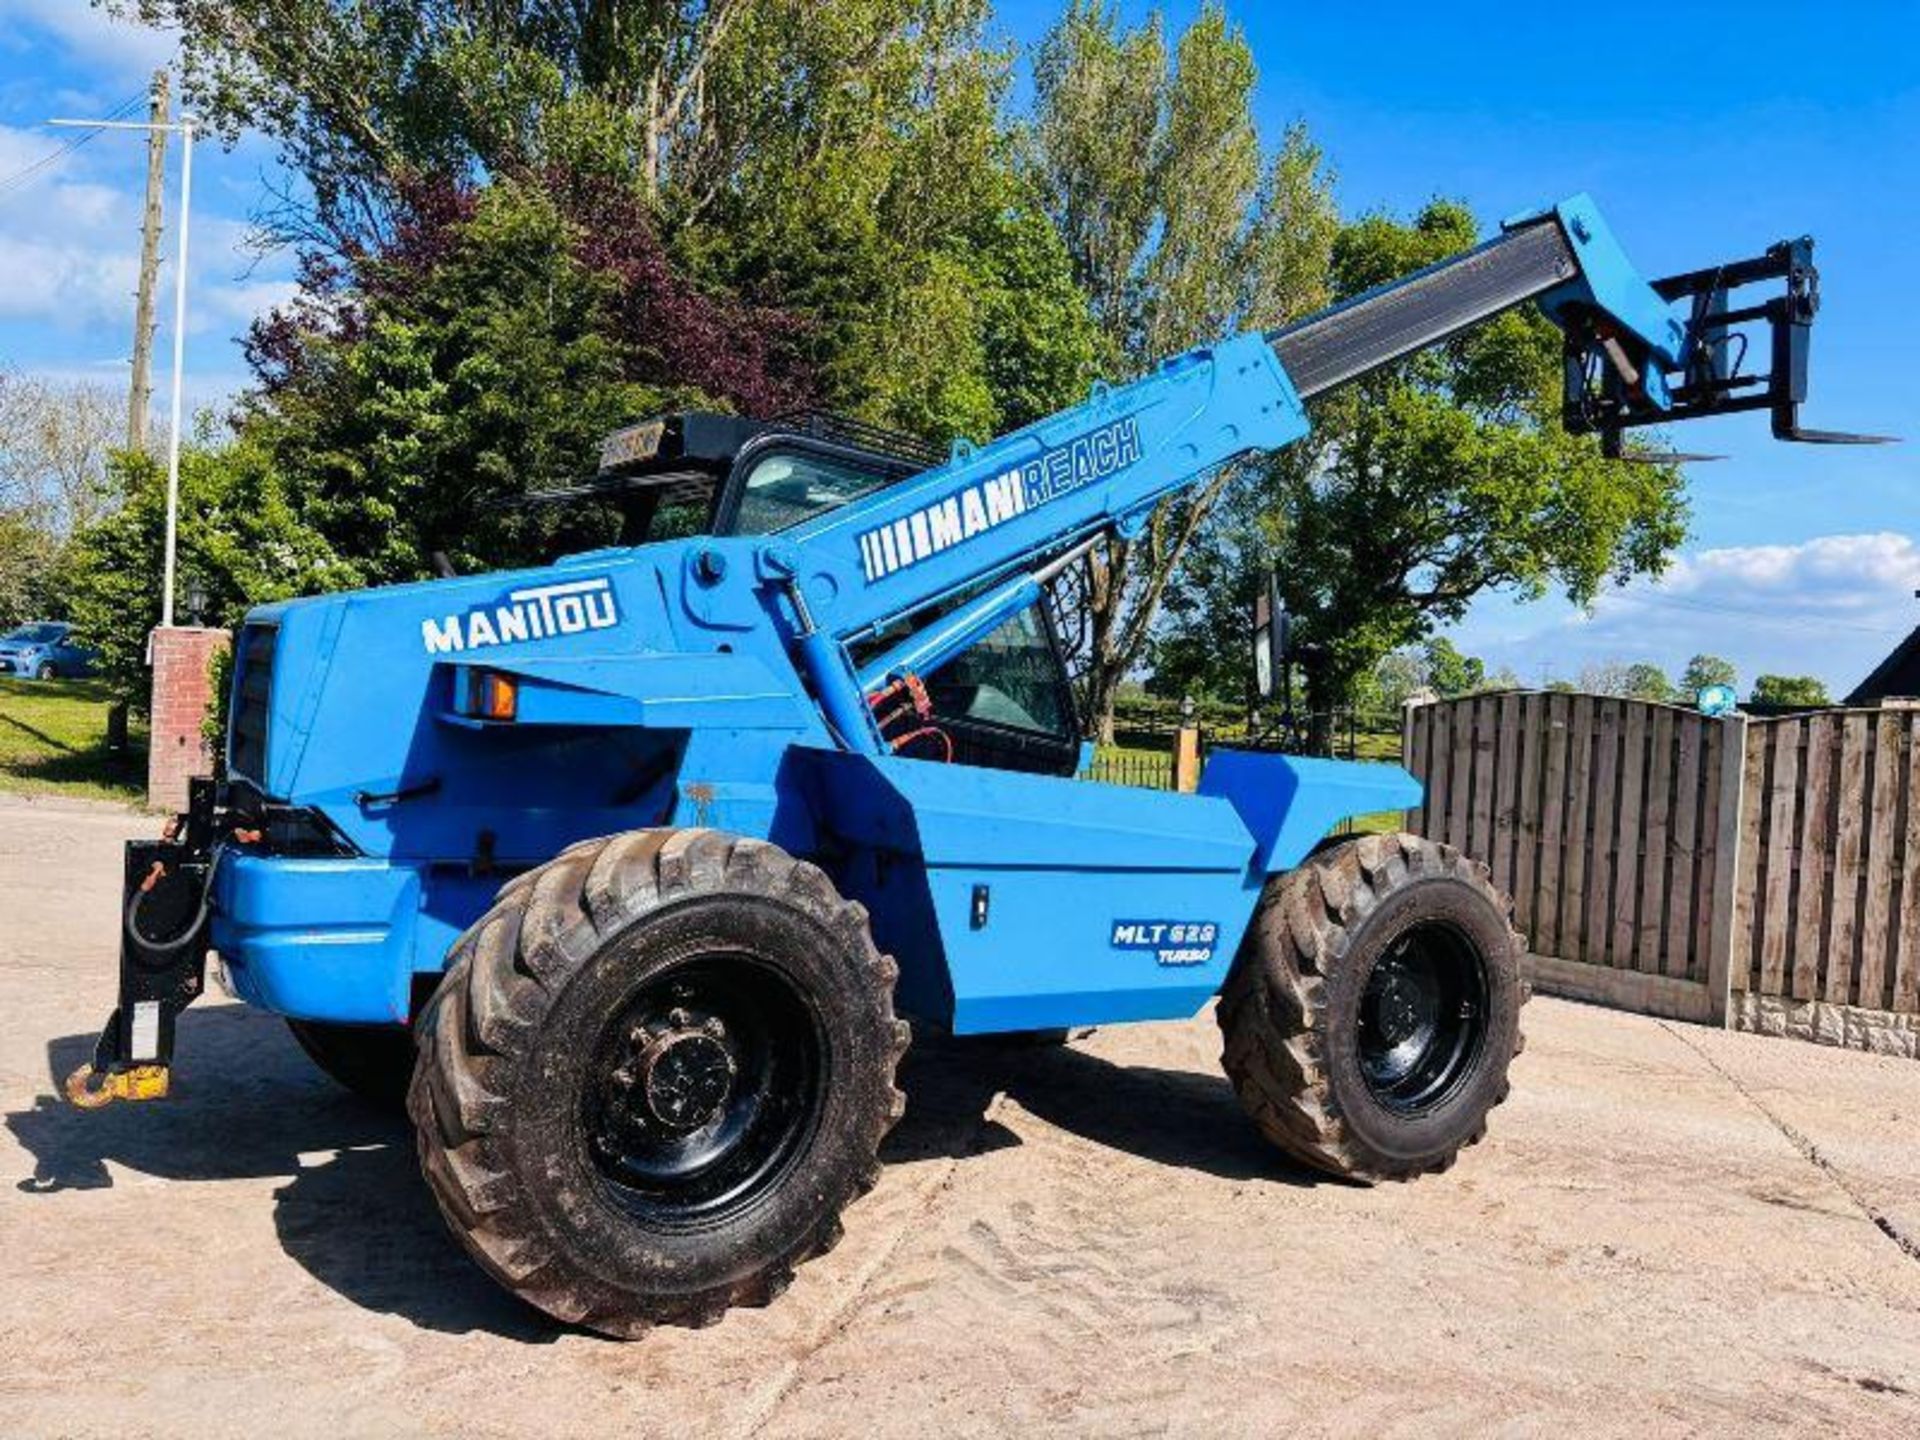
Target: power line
x=21 y=177
x=1772 y=617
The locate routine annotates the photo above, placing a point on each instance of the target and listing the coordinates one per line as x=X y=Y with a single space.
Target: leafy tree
x=1397 y=677
x=27 y=558
x=1449 y=672
x=1804 y=690
x=1433 y=481
x=55 y=438
x=1647 y=681
x=1505 y=678
x=1705 y=670
x=937 y=296
x=1180 y=233
x=472 y=363
x=240 y=541
x=695 y=99
x=845 y=166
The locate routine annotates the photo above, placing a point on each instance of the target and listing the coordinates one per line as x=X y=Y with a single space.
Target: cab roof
x=687 y=454
x=704 y=440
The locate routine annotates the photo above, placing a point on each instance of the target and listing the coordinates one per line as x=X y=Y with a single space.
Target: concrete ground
x=1670 y=1230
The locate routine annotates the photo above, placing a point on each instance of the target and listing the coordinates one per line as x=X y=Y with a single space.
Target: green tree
x=1397 y=677
x=1647 y=681
x=1449 y=672
x=28 y=555
x=1435 y=480
x=240 y=541
x=1705 y=670
x=697 y=100
x=845 y=164
x=458 y=386
x=1804 y=690
x=1180 y=233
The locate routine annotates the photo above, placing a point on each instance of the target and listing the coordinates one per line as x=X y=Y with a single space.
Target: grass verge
x=53 y=741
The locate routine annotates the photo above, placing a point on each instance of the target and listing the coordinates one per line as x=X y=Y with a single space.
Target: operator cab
x=697 y=473
x=1007 y=704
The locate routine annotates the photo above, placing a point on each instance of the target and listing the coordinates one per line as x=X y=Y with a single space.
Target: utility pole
x=186 y=125
x=140 y=401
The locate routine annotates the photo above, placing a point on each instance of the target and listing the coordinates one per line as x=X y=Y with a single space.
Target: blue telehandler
x=623 y=871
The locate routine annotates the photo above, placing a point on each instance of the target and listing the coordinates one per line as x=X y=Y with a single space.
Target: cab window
x=1012 y=679
x=784 y=489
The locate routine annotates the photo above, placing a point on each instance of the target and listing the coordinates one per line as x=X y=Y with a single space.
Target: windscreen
x=784 y=489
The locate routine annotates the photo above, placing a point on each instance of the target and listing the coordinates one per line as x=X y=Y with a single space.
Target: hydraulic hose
x=131 y=916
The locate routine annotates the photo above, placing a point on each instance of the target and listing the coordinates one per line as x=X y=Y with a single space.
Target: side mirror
x=1271 y=632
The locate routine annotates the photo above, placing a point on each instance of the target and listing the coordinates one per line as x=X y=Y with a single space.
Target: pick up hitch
x=167 y=897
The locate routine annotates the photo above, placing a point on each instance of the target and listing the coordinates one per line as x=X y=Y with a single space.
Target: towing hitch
x=164 y=939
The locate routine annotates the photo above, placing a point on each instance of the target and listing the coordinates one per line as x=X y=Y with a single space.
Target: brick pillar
x=181 y=699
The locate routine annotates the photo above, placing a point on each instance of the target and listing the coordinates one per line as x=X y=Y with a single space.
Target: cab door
x=1007 y=704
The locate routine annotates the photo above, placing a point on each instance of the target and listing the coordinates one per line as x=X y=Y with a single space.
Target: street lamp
x=184 y=127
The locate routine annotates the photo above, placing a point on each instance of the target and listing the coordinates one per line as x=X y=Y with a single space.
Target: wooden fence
x=1828 y=898
x=1610 y=822
x=1763 y=873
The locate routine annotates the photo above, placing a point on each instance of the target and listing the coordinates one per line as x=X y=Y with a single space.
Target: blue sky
x=1705 y=131
x=69 y=234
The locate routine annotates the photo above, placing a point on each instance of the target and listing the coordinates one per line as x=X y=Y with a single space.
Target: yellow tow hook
x=89 y=1089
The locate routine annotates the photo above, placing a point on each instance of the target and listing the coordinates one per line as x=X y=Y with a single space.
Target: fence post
x=1186 y=751
x=1726 y=868
x=1414 y=764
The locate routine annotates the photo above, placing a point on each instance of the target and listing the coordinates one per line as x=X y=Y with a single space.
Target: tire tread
x=1272 y=1009
x=502 y=974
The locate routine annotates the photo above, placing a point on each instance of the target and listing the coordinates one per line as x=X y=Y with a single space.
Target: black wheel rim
x=1423 y=1017
x=702 y=1090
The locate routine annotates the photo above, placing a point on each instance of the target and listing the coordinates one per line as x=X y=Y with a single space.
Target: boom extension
x=1631 y=357
x=1635 y=356
x=1403 y=317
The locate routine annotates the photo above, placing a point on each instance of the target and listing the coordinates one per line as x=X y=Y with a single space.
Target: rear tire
x=375 y=1062
x=654 y=1074
x=1374 y=1007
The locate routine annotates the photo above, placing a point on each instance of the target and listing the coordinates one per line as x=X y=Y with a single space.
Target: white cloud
x=1828 y=562
x=20 y=149
x=89 y=35
x=1830 y=579
x=68 y=285
x=1830 y=606
x=69 y=248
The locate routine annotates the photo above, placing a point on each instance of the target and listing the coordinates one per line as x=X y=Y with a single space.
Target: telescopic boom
x=1636 y=353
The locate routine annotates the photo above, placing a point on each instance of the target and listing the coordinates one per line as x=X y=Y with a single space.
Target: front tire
x=654 y=1074
x=47 y=671
x=1374 y=1007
